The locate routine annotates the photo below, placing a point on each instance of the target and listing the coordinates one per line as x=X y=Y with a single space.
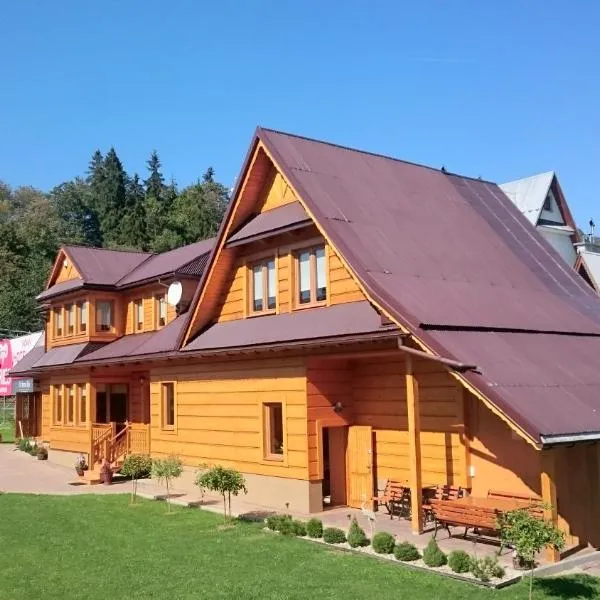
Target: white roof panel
x=529 y=194
x=591 y=261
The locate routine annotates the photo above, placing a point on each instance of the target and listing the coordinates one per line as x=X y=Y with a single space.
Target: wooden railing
x=107 y=444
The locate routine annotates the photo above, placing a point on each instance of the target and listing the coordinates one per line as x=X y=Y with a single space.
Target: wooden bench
x=442 y=492
x=450 y=512
x=396 y=495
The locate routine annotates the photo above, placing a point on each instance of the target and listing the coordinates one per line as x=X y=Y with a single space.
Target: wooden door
x=359 y=457
x=337 y=465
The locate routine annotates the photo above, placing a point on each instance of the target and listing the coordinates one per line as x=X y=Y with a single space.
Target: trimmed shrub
x=459 y=561
x=299 y=528
x=314 y=528
x=383 y=542
x=333 y=535
x=356 y=535
x=286 y=527
x=276 y=522
x=406 y=552
x=485 y=568
x=137 y=466
x=433 y=556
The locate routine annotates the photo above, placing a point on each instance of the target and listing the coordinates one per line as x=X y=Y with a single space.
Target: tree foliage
x=106 y=208
x=224 y=481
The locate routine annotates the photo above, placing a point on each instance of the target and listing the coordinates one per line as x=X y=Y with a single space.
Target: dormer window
x=263 y=287
x=104 y=315
x=548 y=203
x=311 y=276
x=160 y=311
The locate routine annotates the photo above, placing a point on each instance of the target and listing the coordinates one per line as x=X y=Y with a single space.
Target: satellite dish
x=174 y=293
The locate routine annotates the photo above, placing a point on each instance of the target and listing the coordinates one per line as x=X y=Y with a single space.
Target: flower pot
x=521 y=564
x=106 y=476
x=42 y=457
x=79 y=472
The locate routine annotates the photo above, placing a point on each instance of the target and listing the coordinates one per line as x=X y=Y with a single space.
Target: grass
x=92 y=546
x=7 y=431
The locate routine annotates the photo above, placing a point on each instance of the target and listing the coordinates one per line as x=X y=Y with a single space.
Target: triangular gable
x=64 y=269
x=588 y=266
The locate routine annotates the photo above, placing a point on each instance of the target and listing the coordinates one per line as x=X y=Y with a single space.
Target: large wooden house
x=357 y=318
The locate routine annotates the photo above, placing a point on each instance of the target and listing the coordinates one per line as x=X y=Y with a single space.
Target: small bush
x=485 y=568
x=299 y=528
x=333 y=535
x=406 y=552
x=356 y=535
x=433 y=556
x=459 y=561
x=286 y=527
x=276 y=522
x=314 y=528
x=137 y=466
x=383 y=542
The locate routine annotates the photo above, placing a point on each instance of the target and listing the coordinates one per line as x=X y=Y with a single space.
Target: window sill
x=168 y=429
x=311 y=305
x=274 y=458
x=262 y=313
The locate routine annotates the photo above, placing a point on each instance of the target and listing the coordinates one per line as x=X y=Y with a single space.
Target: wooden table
x=499 y=504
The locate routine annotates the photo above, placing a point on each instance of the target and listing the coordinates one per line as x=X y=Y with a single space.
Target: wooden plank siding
x=219 y=415
x=234 y=301
x=379 y=400
x=66 y=273
x=275 y=193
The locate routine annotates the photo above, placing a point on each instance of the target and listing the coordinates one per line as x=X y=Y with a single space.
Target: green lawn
x=96 y=547
x=7 y=430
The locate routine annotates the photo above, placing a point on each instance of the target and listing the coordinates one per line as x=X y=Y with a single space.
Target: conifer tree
x=112 y=199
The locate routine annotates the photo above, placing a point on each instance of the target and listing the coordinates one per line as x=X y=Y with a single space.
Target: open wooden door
x=360 y=466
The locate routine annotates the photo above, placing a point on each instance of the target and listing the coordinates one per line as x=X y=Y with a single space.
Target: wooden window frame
x=137 y=326
x=264 y=264
x=111 y=303
x=57 y=312
x=163 y=407
x=70 y=319
x=58 y=391
x=78 y=397
x=312 y=251
x=157 y=299
x=265 y=419
x=79 y=306
x=68 y=388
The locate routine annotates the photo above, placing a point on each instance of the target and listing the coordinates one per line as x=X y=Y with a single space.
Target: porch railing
x=107 y=444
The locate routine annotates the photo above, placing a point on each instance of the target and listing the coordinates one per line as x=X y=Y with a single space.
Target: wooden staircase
x=112 y=446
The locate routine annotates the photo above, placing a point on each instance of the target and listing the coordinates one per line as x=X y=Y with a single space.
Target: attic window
x=263 y=286
x=548 y=202
x=311 y=276
x=160 y=311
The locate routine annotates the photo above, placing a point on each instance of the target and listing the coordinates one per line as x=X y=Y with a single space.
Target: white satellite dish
x=174 y=293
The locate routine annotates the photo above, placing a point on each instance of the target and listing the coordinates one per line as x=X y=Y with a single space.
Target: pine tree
x=133 y=229
x=112 y=199
x=155 y=184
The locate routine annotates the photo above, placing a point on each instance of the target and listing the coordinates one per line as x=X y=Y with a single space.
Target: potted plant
x=42 y=453
x=106 y=473
x=80 y=465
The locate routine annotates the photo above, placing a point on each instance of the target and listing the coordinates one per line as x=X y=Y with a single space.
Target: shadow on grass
x=574 y=586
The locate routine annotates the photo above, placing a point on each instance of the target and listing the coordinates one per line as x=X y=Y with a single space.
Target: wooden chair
x=395 y=496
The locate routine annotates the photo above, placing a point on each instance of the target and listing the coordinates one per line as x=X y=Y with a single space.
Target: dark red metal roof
x=272 y=222
x=440 y=250
x=141 y=344
x=61 y=288
x=63 y=355
x=25 y=365
x=170 y=262
x=341 y=320
x=99 y=266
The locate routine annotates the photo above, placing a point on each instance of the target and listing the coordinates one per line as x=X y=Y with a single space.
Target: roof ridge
x=108 y=249
x=376 y=154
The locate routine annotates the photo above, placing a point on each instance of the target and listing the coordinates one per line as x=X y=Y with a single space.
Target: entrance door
x=360 y=466
x=118 y=404
x=334 y=465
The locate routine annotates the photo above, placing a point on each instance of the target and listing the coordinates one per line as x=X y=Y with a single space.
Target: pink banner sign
x=11 y=352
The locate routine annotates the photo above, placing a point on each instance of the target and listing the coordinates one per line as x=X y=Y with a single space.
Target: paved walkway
x=21 y=473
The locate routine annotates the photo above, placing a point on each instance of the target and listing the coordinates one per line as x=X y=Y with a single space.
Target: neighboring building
x=541 y=200
x=338 y=334
x=588 y=264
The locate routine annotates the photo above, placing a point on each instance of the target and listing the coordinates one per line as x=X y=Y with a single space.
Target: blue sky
x=497 y=89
